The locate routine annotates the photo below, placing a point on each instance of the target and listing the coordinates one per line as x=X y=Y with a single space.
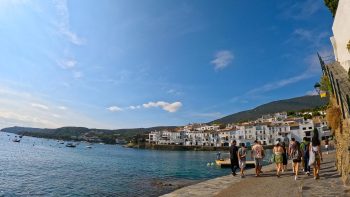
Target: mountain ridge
x=109 y=136
x=287 y=105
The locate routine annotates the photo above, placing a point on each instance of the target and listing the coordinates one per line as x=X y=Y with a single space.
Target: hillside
x=109 y=136
x=82 y=133
x=293 y=104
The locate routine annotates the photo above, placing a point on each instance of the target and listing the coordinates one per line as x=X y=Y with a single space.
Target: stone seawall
x=189 y=148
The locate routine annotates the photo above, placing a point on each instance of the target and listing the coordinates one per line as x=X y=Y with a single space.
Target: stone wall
x=342 y=142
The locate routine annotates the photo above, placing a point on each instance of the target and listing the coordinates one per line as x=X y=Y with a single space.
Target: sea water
x=42 y=167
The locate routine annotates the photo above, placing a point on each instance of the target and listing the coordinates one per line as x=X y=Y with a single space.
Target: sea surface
x=42 y=167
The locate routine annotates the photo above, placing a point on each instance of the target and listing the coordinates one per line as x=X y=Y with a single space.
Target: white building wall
x=341 y=32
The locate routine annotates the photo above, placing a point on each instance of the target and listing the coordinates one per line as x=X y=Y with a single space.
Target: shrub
x=334 y=117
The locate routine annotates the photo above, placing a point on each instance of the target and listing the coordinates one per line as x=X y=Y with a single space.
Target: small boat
x=62 y=142
x=16 y=140
x=71 y=145
x=226 y=163
x=20 y=136
x=88 y=146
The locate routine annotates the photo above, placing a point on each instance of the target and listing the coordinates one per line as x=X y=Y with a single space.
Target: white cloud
x=62 y=107
x=10 y=118
x=64 y=23
x=171 y=91
x=67 y=64
x=303 y=34
x=77 y=74
x=314 y=37
x=312 y=70
x=40 y=106
x=169 y=107
x=174 y=92
x=20 y=108
x=114 y=109
x=222 y=59
x=13 y=3
x=134 y=107
x=56 y=115
x=279 y=84
x=301 y=10
x=311 y=93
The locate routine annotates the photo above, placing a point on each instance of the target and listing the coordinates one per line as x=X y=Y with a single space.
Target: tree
x=332 y=6
x=326 y=84
x=316 y=113
x=307 y=116
x=222 y=126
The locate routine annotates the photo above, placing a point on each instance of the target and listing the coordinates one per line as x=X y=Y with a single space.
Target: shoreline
x=329 y=184
x=170 y=147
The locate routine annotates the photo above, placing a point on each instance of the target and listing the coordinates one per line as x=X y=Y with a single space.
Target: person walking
x=291 y=148
x=242 y=153
x=285 y=158
x=296 y=155
x=234 y=157
x=315 y=149
x=263 y=155
x=278 y=152
x=304 y=146
x=257 y=154
x=326 y=142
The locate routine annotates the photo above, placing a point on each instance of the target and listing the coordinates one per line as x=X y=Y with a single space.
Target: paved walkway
x=268 y=184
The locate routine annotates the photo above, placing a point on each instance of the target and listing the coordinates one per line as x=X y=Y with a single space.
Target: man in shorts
x=257 y=154
x=242 y=153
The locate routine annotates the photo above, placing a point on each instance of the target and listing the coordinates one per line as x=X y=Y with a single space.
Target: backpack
x=305 y=149
x=296 y=154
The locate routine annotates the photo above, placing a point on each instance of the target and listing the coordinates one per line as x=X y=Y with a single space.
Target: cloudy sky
x=131 y=63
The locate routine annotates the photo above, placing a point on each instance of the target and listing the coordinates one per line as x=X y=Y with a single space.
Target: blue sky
x=123 y=64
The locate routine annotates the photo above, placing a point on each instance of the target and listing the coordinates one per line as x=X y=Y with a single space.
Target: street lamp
x=317 y=87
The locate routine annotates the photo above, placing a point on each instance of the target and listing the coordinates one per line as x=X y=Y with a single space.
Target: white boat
x=71 y=145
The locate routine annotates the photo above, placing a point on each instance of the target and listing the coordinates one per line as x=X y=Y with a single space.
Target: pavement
x=329 y=184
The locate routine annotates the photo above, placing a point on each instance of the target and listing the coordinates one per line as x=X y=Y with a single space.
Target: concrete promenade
x=268 y=184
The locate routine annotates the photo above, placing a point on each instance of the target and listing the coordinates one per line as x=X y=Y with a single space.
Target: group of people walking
x=307 y=153
x=238 y=157
x=303 y=153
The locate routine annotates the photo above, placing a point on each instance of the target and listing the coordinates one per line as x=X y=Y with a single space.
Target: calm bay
x=44 y=167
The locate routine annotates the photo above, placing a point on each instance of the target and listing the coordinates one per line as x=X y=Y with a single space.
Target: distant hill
x=109 y=136
x=76 y=133
x=293 y=104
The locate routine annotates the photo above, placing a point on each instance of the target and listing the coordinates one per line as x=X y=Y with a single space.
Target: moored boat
x=71 y=145
x=226 y=163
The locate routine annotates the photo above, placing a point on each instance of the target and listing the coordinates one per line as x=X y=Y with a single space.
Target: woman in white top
x=315 y=148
